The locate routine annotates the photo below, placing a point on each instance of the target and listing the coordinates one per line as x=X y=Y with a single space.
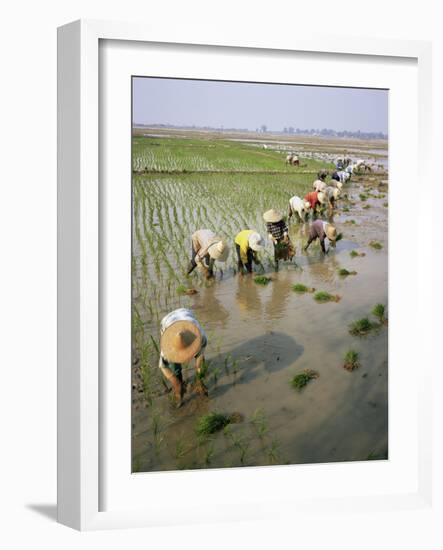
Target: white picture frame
x=79 y=270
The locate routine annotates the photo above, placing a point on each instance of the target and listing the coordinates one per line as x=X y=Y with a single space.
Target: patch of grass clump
x=379 y=312
x=366 y=206
x=376 y=245
x=262 y=280
x=322 y=297
x=350 y=222
x=351 y=360
x=212 y=423
x=301 y=289
x=182 y=289
x=355 y=254
x=363 y=197
x=361 y=327
x=343 y=272
x=303 y=378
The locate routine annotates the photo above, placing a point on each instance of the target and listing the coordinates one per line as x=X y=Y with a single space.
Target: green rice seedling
x=215 y=375
x=350 y=222
x=211 y=423
x=351 y=360
x=262 y=280
x=226 y=363
x=301 y=289
x=366 y=206
x=260 y=423
x=241 y=444
x=182 y=289
x=343 y=272
x=385 y=204
x=146 y=382
x=355 y=254
x=273 y=452
x=379 y=312
x=299 y=381
x=376 y=245
x=361 y=327
x=323 y=297
x=346 y=208
x=180 y=449
x=204 y=369
x=209 y=453
x=363 y=197
x=137 y=466
x=156 y=425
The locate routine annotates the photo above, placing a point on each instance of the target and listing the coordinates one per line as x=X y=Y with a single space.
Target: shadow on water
x=268 y=353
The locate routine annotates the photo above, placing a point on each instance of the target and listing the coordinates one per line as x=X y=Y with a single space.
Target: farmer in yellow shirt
x=247 y=243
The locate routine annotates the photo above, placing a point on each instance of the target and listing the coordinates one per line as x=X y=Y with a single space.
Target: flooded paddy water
x=259 y=337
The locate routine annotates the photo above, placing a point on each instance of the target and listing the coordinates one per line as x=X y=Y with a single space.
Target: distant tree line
x=328 y=132
x=325 y=132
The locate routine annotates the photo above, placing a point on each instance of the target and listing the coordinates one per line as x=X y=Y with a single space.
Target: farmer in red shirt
x=315 y=199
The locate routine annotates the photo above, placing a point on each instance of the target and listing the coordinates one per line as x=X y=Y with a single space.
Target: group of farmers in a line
x=207 y=247
x=182 y=338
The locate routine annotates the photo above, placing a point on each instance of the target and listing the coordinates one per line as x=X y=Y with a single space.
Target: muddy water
x=260 y=337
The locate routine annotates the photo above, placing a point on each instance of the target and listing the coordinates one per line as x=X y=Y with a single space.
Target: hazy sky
x=245 y=105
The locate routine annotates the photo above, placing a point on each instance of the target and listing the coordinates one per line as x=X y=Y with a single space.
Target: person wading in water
x=182 y=339
x=277 y=230
x=320 y=230
x=247 y=243
x=206 y=248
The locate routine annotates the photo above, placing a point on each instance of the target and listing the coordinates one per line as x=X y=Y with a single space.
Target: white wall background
x=28 y=271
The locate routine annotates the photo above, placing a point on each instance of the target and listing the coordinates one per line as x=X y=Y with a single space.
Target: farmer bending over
x=206 y=248
x=320 y=230
x=181 y=339
x=316 y=200
x=247 y=244
x=278 y=234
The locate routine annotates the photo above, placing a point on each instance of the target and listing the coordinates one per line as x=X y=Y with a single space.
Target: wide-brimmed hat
x=331 y=232
x=219 y=251
x=180 y=342
x=321 y=197
x=272 y=216
x=256 y=241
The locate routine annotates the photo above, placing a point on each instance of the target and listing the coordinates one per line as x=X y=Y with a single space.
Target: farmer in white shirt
x=299 y=208
x=206 y=248
x=182 y=339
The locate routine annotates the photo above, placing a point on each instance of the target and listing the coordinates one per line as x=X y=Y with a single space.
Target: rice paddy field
x=282 y=386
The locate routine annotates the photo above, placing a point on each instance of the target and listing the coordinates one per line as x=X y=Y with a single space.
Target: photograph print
x=259 y=274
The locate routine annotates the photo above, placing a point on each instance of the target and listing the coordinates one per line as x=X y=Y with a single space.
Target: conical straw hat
x=219 y=251
x=272 y=216
x=256 y=241
x=180 y=342
x=331 y=232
